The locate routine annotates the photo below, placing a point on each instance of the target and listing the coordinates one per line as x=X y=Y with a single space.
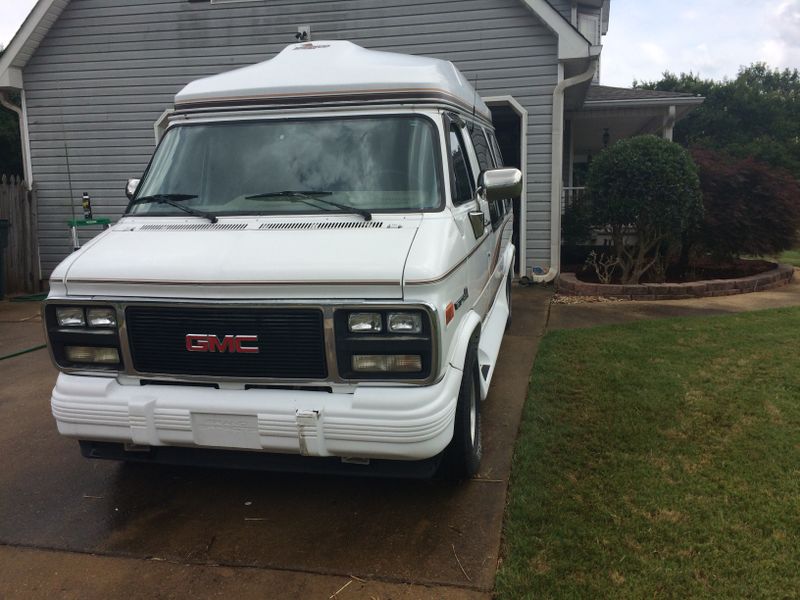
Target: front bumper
x=399 y=423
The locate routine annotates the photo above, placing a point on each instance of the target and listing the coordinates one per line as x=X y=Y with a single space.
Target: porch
x=608 y=115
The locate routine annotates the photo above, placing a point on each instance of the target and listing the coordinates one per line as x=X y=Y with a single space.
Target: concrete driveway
x=90 y=529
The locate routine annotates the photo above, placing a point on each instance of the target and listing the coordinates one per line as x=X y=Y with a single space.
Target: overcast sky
x=646 y=37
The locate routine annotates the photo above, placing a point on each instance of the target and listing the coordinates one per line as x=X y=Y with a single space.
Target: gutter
x=679 y=100
x=557 y=170
x=23 y=131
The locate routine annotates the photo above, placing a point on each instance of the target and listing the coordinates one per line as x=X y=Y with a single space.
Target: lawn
x=660 y=459
x=791 y=257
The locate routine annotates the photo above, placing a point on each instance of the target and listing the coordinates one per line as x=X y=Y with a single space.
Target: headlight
x=405 y=322
x=92 y=355
x=70 y=316
x=387 y=363
x=84 y=337
x=385 y=343
x=365 y=323
x=101 y=317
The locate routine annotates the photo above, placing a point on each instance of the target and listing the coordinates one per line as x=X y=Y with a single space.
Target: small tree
x=750 y=207
x=645 y=196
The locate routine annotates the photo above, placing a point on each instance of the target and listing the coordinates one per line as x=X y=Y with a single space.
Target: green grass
x=660 y=459
x=791 y=257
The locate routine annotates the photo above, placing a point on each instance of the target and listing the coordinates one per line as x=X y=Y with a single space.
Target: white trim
x=571 y=44
x=11 y=78
x=523 y=164
x=662 y=101
x=161 y=124
x=669 y=122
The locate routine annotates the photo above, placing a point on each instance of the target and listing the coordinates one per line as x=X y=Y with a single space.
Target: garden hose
x=21 y=352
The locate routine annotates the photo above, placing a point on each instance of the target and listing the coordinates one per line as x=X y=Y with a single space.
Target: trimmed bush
x=750 y=207
x=645 y=195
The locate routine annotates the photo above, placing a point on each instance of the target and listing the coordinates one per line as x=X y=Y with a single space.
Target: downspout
x=557 y=169
x=23 y=134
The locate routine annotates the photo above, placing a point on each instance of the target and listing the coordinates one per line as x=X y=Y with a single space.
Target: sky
x=712 y=38
x=646 y=37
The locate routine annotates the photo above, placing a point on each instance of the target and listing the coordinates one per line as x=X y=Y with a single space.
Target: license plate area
x=226 y=431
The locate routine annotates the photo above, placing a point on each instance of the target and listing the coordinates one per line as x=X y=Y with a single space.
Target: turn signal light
x=92 y=355
x=387 y=363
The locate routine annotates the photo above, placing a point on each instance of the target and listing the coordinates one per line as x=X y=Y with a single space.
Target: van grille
x=290 y=341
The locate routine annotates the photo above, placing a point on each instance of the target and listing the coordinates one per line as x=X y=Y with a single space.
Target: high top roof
x=331 y=71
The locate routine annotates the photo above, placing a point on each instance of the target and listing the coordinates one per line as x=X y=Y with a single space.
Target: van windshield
x=322 y=165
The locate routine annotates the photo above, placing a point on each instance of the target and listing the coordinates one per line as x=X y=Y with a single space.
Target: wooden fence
x=19 y=206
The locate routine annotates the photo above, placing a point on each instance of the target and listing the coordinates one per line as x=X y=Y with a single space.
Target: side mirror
x=130 y=188
x=497 y=184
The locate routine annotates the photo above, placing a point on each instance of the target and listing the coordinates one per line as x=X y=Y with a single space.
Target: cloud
x=712 y=38
x=783 y=50
x=654 y=53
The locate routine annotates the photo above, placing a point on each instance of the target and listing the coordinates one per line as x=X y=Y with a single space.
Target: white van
x=317 y=262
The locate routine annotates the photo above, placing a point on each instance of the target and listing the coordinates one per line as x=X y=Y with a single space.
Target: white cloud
x=712 y=38
x=13 y=13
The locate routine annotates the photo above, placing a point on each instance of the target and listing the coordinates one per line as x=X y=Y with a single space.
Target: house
x=94 y=76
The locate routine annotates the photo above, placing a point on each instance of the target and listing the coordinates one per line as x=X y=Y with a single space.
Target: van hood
x=328 y=257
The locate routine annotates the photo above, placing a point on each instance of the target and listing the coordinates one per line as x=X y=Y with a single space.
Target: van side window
x=505 y=206
x=461 y=175
x=481 y=146
x=498 y=156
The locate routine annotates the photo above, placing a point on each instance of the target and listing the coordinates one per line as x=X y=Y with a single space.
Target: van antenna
x=474 y=101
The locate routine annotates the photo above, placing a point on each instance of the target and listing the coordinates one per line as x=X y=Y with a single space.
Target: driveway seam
x=228 y=565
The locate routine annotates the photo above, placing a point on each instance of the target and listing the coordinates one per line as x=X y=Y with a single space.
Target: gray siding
x=108 y=68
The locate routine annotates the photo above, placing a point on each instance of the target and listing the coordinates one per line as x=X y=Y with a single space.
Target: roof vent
x=324 y=225
x=195 y=227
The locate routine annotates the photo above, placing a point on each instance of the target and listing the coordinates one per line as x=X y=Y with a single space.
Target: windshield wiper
x=315 y=195
x=173 y=200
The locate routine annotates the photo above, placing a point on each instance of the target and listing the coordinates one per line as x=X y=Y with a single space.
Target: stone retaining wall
x=570 y=285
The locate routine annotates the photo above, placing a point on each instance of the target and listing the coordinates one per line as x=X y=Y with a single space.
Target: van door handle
x=477 y=220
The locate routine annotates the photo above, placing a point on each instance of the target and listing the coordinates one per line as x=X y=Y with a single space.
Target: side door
x=470 y=213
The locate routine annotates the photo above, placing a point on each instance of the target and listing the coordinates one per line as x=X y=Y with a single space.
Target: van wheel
x=508 y=300
x=462 y=458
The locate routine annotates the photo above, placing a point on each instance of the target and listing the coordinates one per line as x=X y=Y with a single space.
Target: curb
x=569 y=285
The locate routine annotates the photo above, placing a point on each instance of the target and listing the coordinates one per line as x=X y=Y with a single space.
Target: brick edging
x=569 y=285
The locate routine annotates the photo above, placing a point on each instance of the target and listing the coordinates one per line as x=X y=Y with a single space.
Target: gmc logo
x=206 y=342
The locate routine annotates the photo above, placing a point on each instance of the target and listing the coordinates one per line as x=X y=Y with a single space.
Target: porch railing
x=570 y=195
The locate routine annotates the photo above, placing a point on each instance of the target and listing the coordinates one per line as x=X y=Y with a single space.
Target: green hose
x=21 y=352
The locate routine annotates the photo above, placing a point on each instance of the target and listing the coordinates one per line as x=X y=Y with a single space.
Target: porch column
x=669 y=123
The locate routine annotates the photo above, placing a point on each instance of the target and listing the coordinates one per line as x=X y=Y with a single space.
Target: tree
x=750 y=208
x=10 y=143
x=645 y=195
x=755 y=115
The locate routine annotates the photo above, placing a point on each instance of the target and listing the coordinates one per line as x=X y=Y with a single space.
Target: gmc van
x=316 y=263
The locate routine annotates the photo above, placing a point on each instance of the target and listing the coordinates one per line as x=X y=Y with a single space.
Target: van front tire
x=462 y=458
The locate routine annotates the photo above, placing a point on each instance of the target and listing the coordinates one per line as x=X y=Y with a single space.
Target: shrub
x=576 y=222
x=645 y=195
x=750 y=207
